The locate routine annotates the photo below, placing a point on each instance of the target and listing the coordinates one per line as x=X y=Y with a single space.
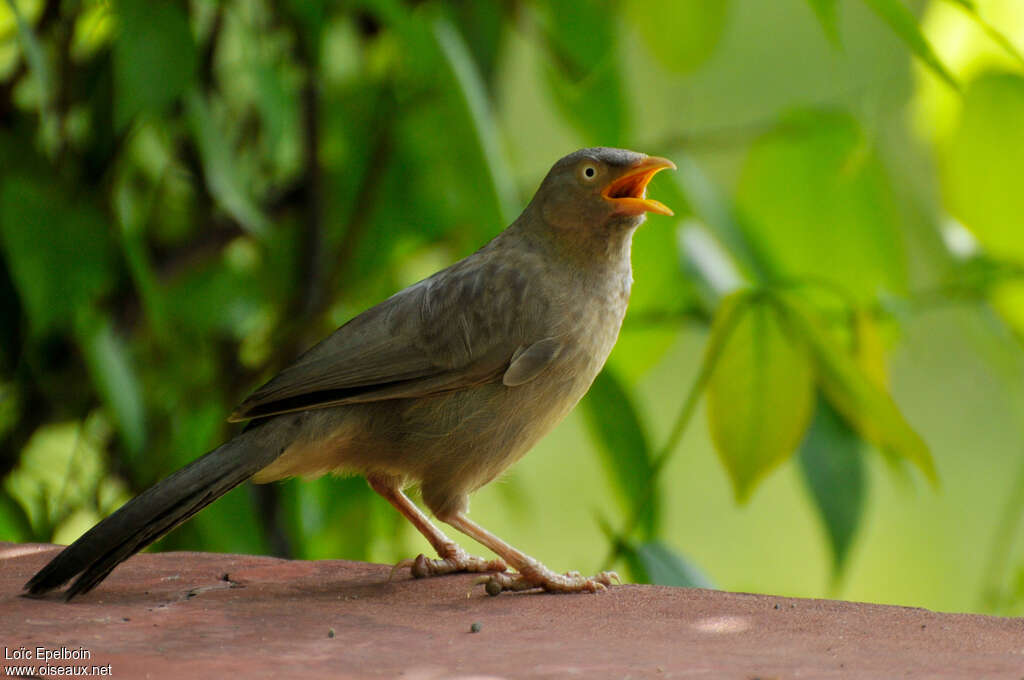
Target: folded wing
x=459 y=328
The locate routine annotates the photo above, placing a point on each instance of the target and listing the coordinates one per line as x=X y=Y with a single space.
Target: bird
x=443 y=385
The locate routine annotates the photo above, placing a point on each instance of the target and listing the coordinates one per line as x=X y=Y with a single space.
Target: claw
x=402 y=564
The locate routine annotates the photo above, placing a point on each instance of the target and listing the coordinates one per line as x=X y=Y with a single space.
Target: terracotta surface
x=175 y=615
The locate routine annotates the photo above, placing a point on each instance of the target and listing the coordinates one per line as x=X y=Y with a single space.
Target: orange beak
x=629 y=192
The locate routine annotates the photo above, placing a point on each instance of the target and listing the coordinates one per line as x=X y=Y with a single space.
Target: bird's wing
x=531 y=361
x=461 y=327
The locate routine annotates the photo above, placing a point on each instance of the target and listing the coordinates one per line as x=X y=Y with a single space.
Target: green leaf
x=903 y=22
x=656 y=563
x=818 y=206
x=828 y=16
x=833 y=468
x=58 y=251
x=614 y=424
x=154 y=56
x=231 y=524
x=114 y=377
x=335 y=516
x=865 y=405
x=759 y=396
x=482 y=25
x=473 y=99
x=15 y=525
x=681 y=34
x=221 y=168
x=583 y=74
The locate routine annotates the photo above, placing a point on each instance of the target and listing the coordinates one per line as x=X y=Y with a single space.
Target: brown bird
x=444 y=384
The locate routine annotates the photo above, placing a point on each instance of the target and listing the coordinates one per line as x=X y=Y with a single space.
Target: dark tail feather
x=154 y=512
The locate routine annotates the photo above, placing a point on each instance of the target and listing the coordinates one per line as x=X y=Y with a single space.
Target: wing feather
x=456 y=329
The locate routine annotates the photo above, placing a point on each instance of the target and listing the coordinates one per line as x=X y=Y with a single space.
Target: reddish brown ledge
x=175 y=615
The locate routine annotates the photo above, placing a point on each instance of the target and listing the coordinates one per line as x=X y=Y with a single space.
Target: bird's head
x=592 y=188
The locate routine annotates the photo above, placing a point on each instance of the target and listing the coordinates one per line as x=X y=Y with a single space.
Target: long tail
x=156 y=511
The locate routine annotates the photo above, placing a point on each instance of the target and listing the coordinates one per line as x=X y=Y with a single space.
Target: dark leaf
x=615 y=426
x=154 y=56
x=58 y=251
x=15 y=525
x=113 y=375
x=476 y=111
x=583 y=69
x=656 y=563
x=833 y=468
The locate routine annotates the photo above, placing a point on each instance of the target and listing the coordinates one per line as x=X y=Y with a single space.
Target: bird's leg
x=452 y=558
x=532 y=574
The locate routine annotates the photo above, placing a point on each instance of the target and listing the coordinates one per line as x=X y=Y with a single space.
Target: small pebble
x=475 y=627
x=493 y=588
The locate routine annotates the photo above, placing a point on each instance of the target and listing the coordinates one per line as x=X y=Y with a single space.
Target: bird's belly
x=469 y=437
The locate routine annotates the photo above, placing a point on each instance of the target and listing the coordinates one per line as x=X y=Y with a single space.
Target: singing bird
x=445 y=384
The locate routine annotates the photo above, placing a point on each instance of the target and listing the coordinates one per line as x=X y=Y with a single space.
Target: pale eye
x=588 y=172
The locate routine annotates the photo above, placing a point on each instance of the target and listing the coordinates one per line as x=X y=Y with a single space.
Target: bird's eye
x=588 y=172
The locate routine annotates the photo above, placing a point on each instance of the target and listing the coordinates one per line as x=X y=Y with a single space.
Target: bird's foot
x=450 y=560
x=539 y=576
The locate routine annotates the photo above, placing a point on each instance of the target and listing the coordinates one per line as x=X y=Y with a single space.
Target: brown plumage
x=444 y=384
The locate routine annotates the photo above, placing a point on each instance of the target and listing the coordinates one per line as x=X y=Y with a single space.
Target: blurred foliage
x=191 y=193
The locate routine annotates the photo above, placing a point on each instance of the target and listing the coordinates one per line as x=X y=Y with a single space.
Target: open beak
x=629 y=192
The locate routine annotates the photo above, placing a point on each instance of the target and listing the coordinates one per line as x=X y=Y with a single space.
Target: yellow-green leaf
x=983 y=177
x=759 y=396
x=869 y=349
x=983 y=174
x=865 y=405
